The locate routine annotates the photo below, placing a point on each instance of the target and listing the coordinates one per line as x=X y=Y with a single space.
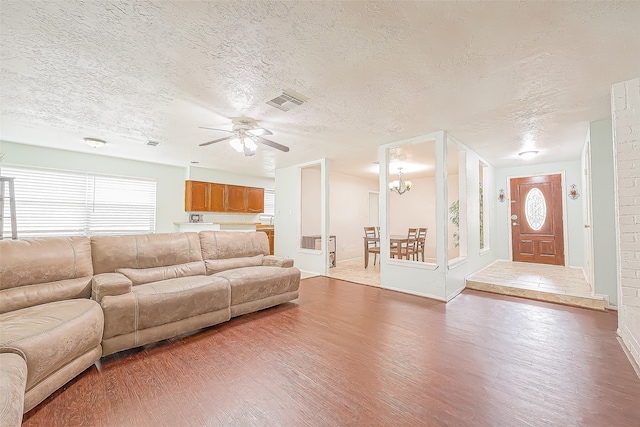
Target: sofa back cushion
x=233 y=244
x=144 y=251
x=38 y=271
x=218 y=265
x=140 y=276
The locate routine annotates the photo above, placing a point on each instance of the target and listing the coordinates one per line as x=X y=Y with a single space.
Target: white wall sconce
x=501 y=196
x=573 y=192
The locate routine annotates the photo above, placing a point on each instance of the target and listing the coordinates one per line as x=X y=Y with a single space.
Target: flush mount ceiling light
x=95 y=142
x=528 y=154
x=400 y=186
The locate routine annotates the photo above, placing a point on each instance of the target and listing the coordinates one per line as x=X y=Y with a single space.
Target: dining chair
x=372 y=246
x=409 y=249
x=420 y=242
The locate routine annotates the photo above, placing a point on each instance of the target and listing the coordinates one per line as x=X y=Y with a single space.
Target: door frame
x=565 y=236
x=587 y=211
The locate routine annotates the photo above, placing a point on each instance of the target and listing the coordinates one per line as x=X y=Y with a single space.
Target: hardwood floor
x=348 y=354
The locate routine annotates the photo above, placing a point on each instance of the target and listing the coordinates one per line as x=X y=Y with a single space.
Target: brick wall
x=625 y=107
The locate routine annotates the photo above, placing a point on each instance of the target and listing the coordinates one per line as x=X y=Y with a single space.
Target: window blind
x=269 y=201
x=65 y=203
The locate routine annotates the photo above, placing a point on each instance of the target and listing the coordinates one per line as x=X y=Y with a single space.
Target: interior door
x=536 y=219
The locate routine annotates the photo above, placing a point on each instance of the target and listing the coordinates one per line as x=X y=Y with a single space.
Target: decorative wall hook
x=501 y=196
x=573 y=192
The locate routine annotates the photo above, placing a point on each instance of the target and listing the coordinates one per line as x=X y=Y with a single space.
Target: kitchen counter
x=216 y=226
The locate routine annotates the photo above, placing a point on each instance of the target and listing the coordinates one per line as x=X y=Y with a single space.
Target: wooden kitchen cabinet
x=212 y=197
x=236 y=198
x=197 y=196
x=255 y=200
x=218 y=193
x=269 y=231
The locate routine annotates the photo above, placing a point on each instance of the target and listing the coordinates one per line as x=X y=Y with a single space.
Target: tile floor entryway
x=353 y=271
x=551 y=283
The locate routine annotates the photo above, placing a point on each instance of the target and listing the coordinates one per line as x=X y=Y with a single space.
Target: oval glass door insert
x=535 y=209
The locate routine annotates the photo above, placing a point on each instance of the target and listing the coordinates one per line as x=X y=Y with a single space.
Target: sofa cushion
x=13 y=378
x=144 y=251
x=218 y=265
x=50 y=336
x=38 y=271
x=254 y=283
x=171 y=300
x=233 y=244
x=42 y=293
x=140 y=276
x=27 y=262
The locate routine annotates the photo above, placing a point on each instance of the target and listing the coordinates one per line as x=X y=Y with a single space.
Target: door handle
x=514 y=223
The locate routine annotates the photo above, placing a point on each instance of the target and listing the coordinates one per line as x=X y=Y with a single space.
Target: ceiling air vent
x=153 y=143
x=287 y=100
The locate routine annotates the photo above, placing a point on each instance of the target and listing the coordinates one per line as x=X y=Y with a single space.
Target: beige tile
x=550 y=283
x=354 y=271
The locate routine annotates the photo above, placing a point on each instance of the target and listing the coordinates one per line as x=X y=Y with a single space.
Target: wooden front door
x=536 y=219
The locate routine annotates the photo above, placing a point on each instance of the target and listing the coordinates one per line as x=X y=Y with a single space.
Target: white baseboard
x=419 y=294
x=628 y=354
x=456 y=292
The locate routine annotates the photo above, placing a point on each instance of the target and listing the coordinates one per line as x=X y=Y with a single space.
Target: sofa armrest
x=277 y=261
x=13 y=380
x=109 y=284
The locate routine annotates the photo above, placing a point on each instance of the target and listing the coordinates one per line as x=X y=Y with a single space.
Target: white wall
x=475 y=259
x=439 y=281
x=310 y=201
x=222 y=177
x=603 y=224
x=625 y=108
x=169 y=179
x=574 y=218
x=349 y=213
x=288 y=217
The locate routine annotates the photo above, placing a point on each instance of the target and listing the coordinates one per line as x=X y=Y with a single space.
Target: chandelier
x=400 y=186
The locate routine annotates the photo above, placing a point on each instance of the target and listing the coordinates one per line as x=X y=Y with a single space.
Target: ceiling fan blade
x=221 y=130
x=216 y=140
x=272 y=144
x=259 y=132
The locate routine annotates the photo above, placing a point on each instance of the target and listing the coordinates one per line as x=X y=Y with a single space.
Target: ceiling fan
x=244 y=135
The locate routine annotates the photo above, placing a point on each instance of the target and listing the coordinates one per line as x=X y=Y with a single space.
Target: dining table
x=395 y=242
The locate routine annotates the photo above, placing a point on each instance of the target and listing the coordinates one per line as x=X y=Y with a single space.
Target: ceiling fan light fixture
x=236 y=144
x=250 y=144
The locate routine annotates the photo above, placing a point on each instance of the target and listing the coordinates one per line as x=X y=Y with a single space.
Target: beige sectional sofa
x=143 y=288
x=46 y=318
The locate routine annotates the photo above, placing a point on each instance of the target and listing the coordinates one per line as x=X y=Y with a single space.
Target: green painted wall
x=603 y=210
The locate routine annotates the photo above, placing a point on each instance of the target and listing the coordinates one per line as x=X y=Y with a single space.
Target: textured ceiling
x=500 y=76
